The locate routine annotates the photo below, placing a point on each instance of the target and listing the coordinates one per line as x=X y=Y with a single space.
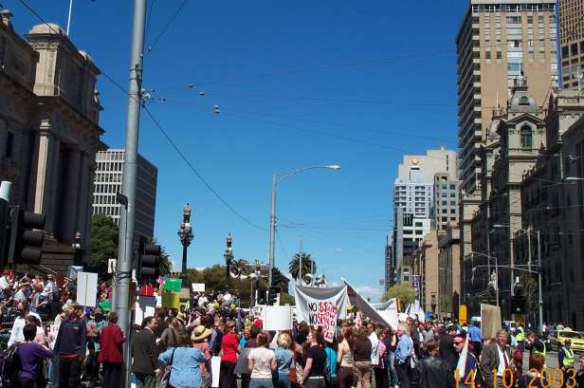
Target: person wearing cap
x=200 y=341
x=70 y=347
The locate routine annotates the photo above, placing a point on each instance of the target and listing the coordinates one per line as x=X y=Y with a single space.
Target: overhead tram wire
x=198 y=174
x=157 y=124
x=149 y=19
x=166 y=26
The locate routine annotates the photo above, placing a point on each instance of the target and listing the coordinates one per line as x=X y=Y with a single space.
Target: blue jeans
x=283 y=380
x=53 y=372
x=261 y=383
x=391 y=372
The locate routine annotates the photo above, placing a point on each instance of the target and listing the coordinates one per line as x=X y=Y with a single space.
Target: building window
x=9 y=150
x=526 y=137
x=523 y=100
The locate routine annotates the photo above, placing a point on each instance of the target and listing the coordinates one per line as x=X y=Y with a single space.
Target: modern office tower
x=413 y=204
x=108 y=182
x=571 y=17
x=445 y=206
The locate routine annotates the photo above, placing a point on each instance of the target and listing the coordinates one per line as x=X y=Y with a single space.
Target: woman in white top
x=262 y=361
x=345 y=359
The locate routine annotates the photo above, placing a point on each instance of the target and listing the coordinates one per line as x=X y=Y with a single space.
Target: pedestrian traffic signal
x=27 y=236
x=274 y=296
x=150 y=260
x=518 y=304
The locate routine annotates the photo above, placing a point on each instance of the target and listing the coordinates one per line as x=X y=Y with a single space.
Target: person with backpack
x=31 y=355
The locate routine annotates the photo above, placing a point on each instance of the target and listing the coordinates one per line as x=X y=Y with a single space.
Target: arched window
x=523 y=100
x=526 y=137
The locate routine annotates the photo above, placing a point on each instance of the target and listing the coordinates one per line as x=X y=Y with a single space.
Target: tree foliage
x=104 y=242
x=405 y=292
x=308 y=265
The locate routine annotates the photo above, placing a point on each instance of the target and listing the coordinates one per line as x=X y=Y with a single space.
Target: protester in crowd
x=404 y=356
x=262 y=361
x=31 y=355
x=171 y=336
x=371 y=329
x=199 y=338
x=380 y=371
x=229 y=349
x=112 y=354
x=534 y=378
x=16 y=334
x=476 y=339
x=284 y=360
x=331 y=363
x=345 y=358
x=362 y=357
x=535 y=345
x=467 y=376
x=446 y=347
x=495 y=357
x=144 y=353
x=185 y=364
x=70 y=346
x=580 y=374
x=390 y=342
x=245 y=337
x=434 y=371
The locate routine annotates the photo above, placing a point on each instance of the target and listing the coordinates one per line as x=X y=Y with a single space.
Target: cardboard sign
x=170 y=300
x=490 y=320
x=277 y=318
x=215 y=369
x=198 y=287
x=87 y=289
x=145 y=307
x=172 y=285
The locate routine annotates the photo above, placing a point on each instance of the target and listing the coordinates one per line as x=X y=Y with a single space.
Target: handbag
x=165 y=381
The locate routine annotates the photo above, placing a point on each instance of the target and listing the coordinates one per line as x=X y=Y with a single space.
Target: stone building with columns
x=49 y=131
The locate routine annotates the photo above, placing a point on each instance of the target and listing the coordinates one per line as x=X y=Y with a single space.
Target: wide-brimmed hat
x=200 y=333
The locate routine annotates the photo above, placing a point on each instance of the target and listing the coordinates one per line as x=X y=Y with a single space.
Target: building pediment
x=523 y=118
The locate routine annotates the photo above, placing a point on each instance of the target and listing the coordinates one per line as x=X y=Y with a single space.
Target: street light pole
x=276 y=179
x=540 y=282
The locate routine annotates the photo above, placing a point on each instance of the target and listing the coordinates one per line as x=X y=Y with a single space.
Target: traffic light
x=27 y=236
x=150 y=259
x=274 y=296
x=518 y=303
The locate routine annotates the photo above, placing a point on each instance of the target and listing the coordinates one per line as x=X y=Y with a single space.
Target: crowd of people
x=52 y=341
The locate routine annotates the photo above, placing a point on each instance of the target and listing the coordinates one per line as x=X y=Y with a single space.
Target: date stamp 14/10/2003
x=547 y=378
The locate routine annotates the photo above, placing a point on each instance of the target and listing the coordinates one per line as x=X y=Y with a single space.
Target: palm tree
x=308 y=265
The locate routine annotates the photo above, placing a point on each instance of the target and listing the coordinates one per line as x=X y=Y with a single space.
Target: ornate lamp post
x=228 y=255
x=185 y=234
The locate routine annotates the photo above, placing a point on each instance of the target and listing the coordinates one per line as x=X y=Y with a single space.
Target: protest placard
x=198 y=287
x=276 y=318
x=87 y=289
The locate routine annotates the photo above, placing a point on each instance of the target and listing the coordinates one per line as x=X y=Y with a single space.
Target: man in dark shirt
x=145 y=356
x=70 y=347
x=434 y=372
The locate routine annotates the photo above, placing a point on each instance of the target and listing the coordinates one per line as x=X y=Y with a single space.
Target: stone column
x=43 y=152
x=71 y=196
x=85 y=193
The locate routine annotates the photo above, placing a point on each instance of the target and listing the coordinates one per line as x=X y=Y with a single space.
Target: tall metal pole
x=299 y=279
x=272 y=249
x=69 y=18
x=497 y=282
x=540 y=282
x=184 y=259
x=128 y=216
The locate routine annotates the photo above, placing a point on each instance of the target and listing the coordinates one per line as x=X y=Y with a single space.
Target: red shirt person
x=111 y=354
x=229 y=348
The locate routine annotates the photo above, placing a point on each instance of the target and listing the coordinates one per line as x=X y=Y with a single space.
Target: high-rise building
x=445 y=207
x=500 y=43
x=571 y=17
x=414 y=207
x=109 y=175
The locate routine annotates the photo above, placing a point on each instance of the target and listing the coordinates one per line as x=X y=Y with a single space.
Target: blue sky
x=298 y=84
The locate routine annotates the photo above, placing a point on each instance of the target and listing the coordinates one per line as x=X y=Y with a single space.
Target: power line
x=198 y=174
x=159 y=126
x=167 y=26
x=149 y=19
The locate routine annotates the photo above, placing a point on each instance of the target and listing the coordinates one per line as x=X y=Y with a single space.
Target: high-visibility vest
x=568 y=358
x=520 y=336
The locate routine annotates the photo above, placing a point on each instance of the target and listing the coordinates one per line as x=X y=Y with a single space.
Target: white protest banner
x=321 y=307
x=215 y=370
x=87 y=289
x=276 y=318
x=198 y=287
